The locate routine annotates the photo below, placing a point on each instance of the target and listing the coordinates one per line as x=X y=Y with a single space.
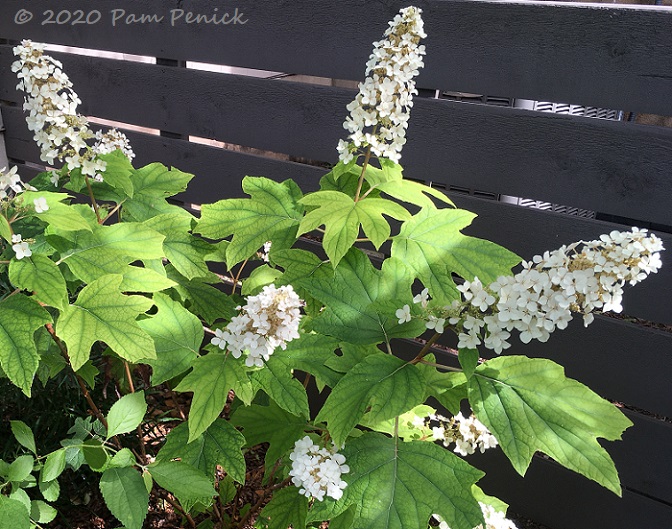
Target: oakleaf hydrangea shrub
x=126 y=281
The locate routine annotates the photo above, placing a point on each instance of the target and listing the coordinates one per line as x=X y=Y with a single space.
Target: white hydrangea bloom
x=493 y=519
x=110 y=141
x=40 y=205
x=268 y=320
x=20 y=247
x=584 y=277
x=468 y=433
x=317 y=471
x=380 y=112
x=9 y=181
x=403 y=314
x=51 y=103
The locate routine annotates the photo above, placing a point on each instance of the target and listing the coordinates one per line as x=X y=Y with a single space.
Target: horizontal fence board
x=219 y=173
x=610 y=167
x=561 y=499
x=600 y=55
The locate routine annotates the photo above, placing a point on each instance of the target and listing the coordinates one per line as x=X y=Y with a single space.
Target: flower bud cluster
x=584 y=277
x=60 y=132
x=268 y=320
x=468 y=434
x=317 y=471
x=493 y=519
x=379 y=114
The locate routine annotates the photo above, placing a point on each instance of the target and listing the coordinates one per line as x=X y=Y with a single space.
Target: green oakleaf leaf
x=342 y=218
x=24 y=435
x=211 y=379
x=399 y=485
x=278 y=382
x=103 y=313
x=381 y=384
x=269 y=424
x=20 y=317
x=287 y=507
x=203 y=299
x=389 y=180
x=529 y=405
x=185 y=252
x=40 y=274
x=311 y=353
x=126 y=414
x=220 y=444
x=125 y=494
x=433 y=247
x=60 y=216
x=187 y=483
x=108 y=249
x=152 y=184
x=177 y=336
x=271 y=214
x=360 y=300
x=448 y=388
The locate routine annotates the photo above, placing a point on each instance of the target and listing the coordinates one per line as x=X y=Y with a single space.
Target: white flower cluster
x=60 y=132
x=110 y=141
x=583 y=277
x=9 y=181
x=268 y=320
x=468 y=434
x=20 y=247
x=380 y=112
x=317 y=471
x=493 y=519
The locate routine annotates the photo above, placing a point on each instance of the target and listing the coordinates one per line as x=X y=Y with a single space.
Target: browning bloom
x=268 y=320
x=379 y=114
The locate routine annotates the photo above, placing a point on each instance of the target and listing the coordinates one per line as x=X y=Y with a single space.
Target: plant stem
x=261 y=500
x=179 y=509
x=93 y=198
x=367 y=157
x=112 y=211
x=235 y=279
x=441 y=366
x=82 y=385
x=423 y=352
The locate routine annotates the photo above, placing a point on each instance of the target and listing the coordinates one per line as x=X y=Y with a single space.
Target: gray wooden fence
x=607 y=56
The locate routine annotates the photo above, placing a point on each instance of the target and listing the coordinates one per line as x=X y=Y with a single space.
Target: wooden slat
x=608 y=56
x=219 y=174
x=561 y=499
x=610 y=167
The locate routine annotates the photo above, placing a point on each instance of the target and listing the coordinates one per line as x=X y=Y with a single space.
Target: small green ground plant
x=99 y=269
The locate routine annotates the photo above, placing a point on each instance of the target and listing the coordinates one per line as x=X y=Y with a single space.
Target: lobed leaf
x=272 y=213
x=529 y=405
x=432 y=245
x=381 y=384
x=103 y=313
